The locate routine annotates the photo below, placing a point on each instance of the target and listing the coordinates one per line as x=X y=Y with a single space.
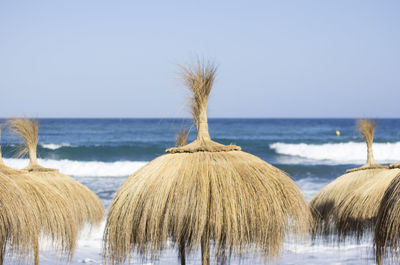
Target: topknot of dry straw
x=28 y=130
x=367 y=129
x=199 y=78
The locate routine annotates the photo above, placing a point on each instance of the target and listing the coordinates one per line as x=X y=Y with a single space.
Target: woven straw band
x=37 y=168
x=183 y=149
x=366 y=168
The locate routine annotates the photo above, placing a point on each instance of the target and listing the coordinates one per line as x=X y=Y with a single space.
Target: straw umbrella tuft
x=50 y=210
x=367 y=130
x=387 y=226
x=17 y=225
x=332 y=207
x=204 y=195
x=358 y=211
x=84 y=205
x=87 y=206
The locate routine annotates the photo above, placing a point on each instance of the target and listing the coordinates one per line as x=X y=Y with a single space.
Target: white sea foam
x=83 y=168
x=54 y=146
x=310 y=186
x=89 y=249
x=336 y=153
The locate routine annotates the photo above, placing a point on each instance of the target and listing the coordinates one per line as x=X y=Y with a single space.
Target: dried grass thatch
x=17 y=227
x=206 y=195
x=83 y=204
x=332 y=207
x=357 y=212
x=51 y=211
x=387 y=225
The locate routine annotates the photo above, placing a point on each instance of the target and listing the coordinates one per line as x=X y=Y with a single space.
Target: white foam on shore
x=83 y=168
x=89 y=251
x=55 y=146
x=336 y=153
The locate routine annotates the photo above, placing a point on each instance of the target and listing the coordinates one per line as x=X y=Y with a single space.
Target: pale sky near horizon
x=276 y=58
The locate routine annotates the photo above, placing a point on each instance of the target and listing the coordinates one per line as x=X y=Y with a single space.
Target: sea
x=102 y=153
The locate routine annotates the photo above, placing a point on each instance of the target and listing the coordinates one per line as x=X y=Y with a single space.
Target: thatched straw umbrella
x=327 y=205
x=204 y=194
x=358 y=211
x=17 y=223
x=387 y=225
x=81 y=203
x=51 y=211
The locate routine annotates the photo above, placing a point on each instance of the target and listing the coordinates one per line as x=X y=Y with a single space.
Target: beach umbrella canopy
x=204 y=194
x=50 y=211
x=358 y=211
x=81 y=206
x=17 y=223
x=332 y=207
x=387 y=225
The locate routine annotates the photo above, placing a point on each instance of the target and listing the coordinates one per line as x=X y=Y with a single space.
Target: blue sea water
x=101 y=153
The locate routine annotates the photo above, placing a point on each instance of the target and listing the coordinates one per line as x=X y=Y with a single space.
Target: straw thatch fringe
x=17 y=227
x=332 y=206
x=181 y=138
x=51 y=210
x=357 y=212
x=325 y=204
x=387 y=227
x=237 y=198
x=205 y=195
x=86 y=206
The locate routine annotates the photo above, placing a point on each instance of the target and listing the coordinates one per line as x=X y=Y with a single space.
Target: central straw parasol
x=332 y=206
x=83 y=205
x=204 y=194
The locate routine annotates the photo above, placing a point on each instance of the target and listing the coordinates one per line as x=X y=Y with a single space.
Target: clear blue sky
x=91 y=58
